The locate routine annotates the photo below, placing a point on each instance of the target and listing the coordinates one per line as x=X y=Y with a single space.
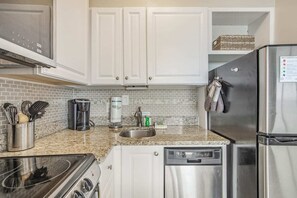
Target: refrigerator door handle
x=281 y=141
x=286 y=140
x=277 y=140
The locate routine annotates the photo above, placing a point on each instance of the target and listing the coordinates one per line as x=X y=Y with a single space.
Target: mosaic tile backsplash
x=55 y=117
x=169 y=106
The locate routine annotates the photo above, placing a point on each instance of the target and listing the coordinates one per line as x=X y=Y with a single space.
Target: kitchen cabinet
x=106 y=181
x=238 y=21
x=142 y=171
x=110 y=178
x=118 y=49
x=135 y=72
x=165 y=45
x=177 y=46
x=107 y=46
x=71 y=41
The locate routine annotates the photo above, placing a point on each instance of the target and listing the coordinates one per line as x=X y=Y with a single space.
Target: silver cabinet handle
x=156 y=153
x=234 y=69
x=109 y=167
x=117 y=78
x=126 y=78
x=150 y=78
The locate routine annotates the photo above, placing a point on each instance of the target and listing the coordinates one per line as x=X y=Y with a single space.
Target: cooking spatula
x=36 y=108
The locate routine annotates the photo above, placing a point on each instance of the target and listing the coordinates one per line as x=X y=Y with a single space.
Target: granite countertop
x=100 y=140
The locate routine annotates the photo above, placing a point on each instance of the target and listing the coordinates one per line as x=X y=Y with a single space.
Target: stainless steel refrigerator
x=260 y=119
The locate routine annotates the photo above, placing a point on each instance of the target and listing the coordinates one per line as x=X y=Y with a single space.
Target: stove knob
x=78 y=194
x=87 y=185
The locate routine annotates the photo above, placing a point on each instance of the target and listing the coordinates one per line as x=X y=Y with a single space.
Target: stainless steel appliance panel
x=239 y=122
x=244 y=171
x=193 y=172
x=193 y=181
x=277 y=167
x=278 y=100
x=27 y=24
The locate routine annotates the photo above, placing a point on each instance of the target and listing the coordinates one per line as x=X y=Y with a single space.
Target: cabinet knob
x=150 y=78
x=117 y=78
x=109 y=167
x=126 y=78
x=156 y=153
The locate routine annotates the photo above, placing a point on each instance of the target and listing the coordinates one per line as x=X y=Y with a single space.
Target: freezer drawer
x=277 y=167
x=193 y=181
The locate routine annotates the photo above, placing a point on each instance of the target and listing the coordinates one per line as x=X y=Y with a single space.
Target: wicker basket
x=234 y=42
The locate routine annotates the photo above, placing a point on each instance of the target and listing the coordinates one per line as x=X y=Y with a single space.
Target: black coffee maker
x=79 y=114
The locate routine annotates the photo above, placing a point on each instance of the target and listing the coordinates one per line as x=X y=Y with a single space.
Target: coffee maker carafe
x=79 y=114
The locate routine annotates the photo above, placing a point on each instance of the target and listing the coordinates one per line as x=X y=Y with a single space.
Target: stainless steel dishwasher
x=193 y=172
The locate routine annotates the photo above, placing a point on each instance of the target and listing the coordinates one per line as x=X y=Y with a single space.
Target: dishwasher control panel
x=203 y=156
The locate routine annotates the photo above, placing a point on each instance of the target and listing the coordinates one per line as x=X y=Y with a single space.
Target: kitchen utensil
x=13 y=113
x=40 y=114
x=23 y=118
x=25 y=107
x=36 y=108
x=7 y=104
x=6 y=114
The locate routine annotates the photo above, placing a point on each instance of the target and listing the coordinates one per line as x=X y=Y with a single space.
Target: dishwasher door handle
x=194 y=161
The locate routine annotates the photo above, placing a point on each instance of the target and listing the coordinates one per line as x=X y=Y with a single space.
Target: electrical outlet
x=125 y=100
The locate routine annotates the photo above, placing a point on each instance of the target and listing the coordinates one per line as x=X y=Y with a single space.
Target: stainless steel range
x=49 y=176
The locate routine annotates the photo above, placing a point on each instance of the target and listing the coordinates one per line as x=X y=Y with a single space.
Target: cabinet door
x=177 y=46
x=106 y=181
x=71 y=30
x=106 y=44
x=135 y=46
x=142 y=172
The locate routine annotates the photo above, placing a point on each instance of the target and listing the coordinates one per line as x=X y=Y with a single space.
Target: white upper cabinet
x=107 y=46
x=135 y=72
x=142 y=172
x=119 y=50
x=71 y=34
x=177 y=46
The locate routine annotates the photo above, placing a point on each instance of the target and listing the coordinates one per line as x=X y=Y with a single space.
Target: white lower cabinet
x=142 y=172
x=109 y=183
x=106 y=178
x=138 y=172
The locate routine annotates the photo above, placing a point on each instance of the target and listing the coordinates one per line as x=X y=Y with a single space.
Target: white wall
x=152 y=3
x=285 y=21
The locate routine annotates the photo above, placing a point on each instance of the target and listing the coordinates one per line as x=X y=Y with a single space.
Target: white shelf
x=257 y=21
x=229 y=52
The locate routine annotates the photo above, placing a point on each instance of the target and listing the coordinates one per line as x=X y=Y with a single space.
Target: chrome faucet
x=138 y=116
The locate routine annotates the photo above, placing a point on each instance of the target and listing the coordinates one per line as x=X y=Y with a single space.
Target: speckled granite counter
x=100 y=140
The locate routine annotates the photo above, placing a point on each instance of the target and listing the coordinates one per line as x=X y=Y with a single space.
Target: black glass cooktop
x=35 y=176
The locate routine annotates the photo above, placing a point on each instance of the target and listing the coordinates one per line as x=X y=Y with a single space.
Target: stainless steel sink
x=138 y=132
